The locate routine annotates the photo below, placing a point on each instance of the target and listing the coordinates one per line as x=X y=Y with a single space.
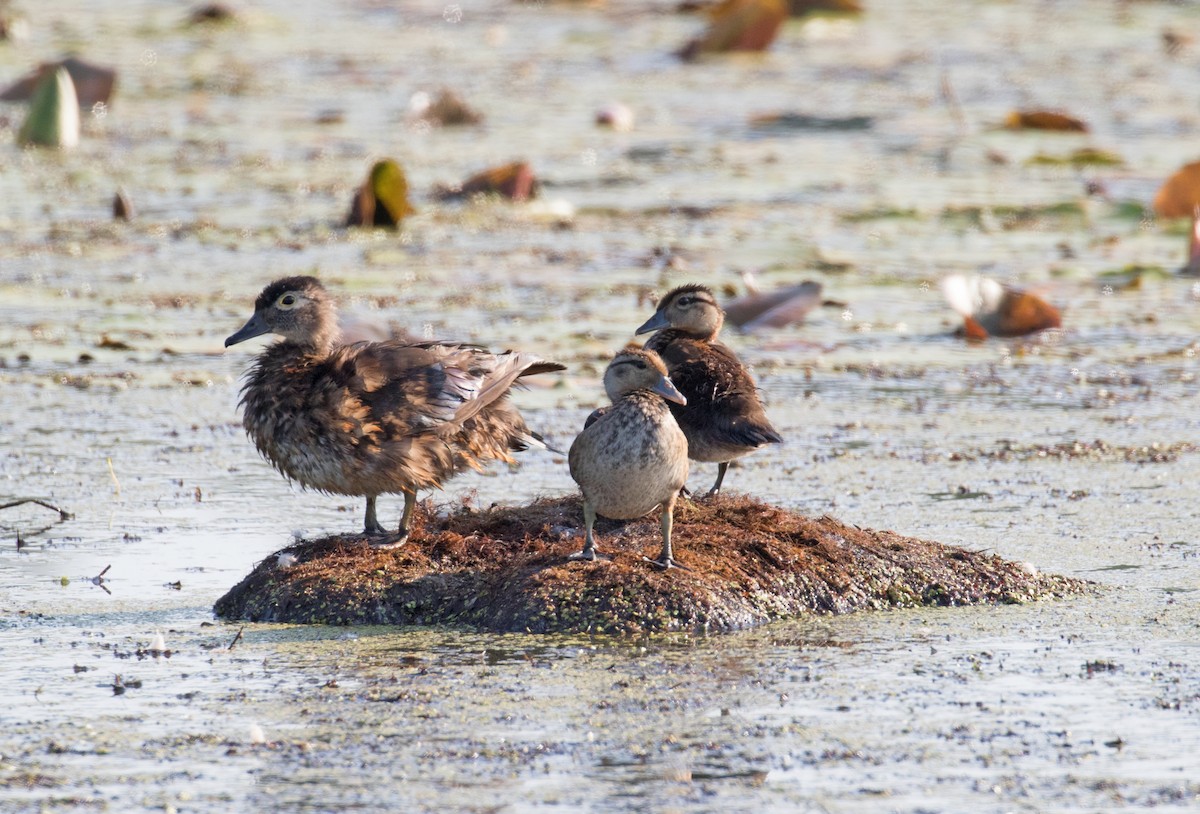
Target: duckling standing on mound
x=631 y=457
x=374 y=418
x=723 y=418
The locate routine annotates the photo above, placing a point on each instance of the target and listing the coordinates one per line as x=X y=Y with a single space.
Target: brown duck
x=723 y=418
x=374 y=418
x=631 y=457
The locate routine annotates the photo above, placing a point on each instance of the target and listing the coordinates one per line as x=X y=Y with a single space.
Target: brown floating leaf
x=447 y=110
x=991 y=309
x=1044 y=120
x=92 y=83
x=1179 y=196
x=382 y=200
x=739 y=25
x=514 y=181
x=122 y=207
x=212 y=13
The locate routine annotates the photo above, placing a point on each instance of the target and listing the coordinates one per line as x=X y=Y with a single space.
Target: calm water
x=1076 y=706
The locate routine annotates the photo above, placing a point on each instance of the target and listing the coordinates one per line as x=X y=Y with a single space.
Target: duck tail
x=528 y=438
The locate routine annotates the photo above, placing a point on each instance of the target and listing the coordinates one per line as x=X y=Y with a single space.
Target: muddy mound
x=506 y=570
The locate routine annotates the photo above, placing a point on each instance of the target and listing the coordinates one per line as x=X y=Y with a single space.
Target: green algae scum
x=506 y=570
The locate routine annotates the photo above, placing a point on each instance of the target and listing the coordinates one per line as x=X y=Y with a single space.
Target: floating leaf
x=991 y=309
x=92 y=82
x=1044 y=120
x=514 y=181
x=1180 y=195
x=382 y=200
x=212 y=13
x=122 y=207
x=804 y=121
x=447 y=110
x=800 y=8
x=53 y=119
x=739 y=25
x=616 y=115
x=1085 y=156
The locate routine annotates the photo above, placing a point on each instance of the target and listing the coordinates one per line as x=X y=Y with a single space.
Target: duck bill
x=256 y=326
x=655 y=323
x=667 y=390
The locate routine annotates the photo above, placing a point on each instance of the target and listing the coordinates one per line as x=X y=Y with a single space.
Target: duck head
x=633 y=369
x=691 y=309
x=296 y=308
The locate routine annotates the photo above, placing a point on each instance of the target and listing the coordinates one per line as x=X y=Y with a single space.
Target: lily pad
x=53 y=119
x=382 y=200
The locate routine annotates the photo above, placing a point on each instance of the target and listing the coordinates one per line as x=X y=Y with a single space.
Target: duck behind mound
x=631 y=457
x=723 y=418
x=374 y=418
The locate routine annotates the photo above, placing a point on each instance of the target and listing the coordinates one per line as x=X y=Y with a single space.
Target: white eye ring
x=287 y=301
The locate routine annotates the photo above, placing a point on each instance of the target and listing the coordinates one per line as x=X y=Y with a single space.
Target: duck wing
x=414 y=388
x=721 y=395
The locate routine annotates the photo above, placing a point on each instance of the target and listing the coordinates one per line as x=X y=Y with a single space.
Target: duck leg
x=665 y=559
x=371 y=526
x=716 y=490
x=589 y=541
x=401 y=536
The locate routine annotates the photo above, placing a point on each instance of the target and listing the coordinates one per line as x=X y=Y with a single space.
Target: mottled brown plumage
x=631 y=457
x=723 y=418
x=374 y=418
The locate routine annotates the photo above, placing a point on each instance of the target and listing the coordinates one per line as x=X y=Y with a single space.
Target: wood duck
x=631 y=457
x=374 y=418
x=723 y=418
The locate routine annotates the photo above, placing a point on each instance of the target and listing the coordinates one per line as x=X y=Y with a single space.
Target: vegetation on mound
x=506 y=570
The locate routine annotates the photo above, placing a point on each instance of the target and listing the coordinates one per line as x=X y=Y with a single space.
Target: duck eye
x=287 y=300
x=641 y=365
x=686 y=300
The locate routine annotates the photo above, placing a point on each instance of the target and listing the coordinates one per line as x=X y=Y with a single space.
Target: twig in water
x=99 y=580
x=236 y=638
x=62 y=514
x=113 y=473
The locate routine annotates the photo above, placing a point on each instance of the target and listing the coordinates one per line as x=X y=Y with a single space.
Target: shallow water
x=1082 y=705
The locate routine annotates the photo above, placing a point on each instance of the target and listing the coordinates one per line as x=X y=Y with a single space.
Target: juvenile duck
x=723 y=418
x=374 y=418
x=631 y=457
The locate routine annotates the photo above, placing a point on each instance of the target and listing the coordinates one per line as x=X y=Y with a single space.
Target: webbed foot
x=667 y=563
x=388 y=540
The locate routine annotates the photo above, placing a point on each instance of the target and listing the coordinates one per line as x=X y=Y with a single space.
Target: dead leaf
x=1179 y=196
x=739 y=25
x=1044 y=120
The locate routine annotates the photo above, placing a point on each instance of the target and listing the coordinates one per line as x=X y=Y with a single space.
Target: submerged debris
x=506 y=569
